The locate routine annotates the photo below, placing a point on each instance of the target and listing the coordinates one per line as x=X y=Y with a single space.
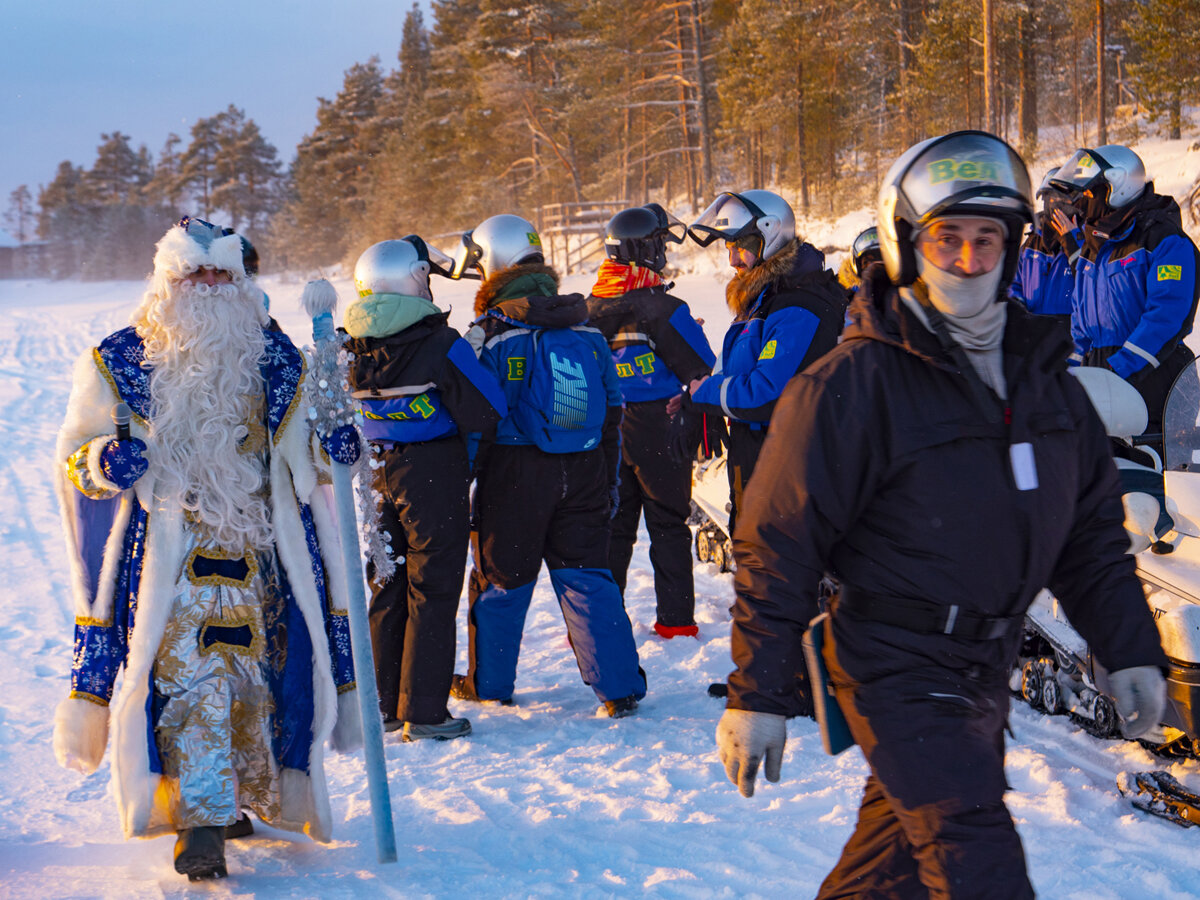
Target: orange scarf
x=615 y=279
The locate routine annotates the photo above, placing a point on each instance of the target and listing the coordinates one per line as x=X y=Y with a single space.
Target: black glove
x=684 y=432
x=716 y=436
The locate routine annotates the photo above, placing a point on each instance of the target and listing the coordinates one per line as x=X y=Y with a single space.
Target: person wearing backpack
x=546 y=477
x=422 y=391
x=657 y=347
x=788 y=311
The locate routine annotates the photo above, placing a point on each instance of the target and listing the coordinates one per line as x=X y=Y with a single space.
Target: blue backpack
x=563 y=401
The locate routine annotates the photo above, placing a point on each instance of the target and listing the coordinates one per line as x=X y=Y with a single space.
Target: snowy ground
x=545 y=798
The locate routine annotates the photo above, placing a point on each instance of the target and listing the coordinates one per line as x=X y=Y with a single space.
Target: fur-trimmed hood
x=529 y=279
x=179 y=253
x=796 y=260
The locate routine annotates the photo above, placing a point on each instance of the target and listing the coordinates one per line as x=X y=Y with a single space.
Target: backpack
x=563 y=402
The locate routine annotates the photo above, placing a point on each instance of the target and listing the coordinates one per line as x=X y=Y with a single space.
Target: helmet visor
x=673 y=231
x=466 y=257
x=439 y=262
x=868 y=240
x=1082 y=172
x=728 y=218
x=968 y=174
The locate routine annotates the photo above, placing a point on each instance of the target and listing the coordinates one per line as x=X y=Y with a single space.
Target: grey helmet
x=762 y=219
x=1113 y=176
x=964 y=173
x=497 y=243
x=399 y=267
x=865 y=250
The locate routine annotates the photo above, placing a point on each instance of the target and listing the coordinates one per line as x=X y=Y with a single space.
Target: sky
x=72 y=70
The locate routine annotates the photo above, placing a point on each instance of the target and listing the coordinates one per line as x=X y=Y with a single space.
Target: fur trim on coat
x=746 y=285
x=490 y=290
x=178 y=254
x=304 y=799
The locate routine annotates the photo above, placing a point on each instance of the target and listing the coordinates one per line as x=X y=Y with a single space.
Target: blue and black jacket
x=656 y=344
x=423 y=383
x=788 y=312
x=511 y=306
x=1136 y=292
x=1045 y=280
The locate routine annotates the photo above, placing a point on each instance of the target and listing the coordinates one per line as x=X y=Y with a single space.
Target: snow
x=546 y=798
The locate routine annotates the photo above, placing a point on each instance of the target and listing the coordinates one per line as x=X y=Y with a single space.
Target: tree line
x=501 y=107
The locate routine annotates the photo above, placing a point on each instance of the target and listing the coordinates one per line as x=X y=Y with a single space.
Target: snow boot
x=200 y=852
x=622 y=707
x=392 y=724
x=448 y=729
x=719 y=690
x=243 y=827
x=666 y=632
x=461 y=688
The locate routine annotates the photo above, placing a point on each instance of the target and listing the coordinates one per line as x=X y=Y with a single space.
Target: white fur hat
x=193 y=244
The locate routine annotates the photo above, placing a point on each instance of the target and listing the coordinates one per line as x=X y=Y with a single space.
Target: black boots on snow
x=200 y=852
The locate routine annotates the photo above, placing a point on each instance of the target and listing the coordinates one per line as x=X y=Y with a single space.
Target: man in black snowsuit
x=787 y=310
x=544 y=490
x=657 y=347
x=943 y=466
x=422 y=391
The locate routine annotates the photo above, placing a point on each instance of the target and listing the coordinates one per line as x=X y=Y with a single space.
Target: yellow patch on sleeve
x=768 y=351
x=1170 y=273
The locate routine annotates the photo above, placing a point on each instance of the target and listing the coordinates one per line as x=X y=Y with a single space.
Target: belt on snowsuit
x=923 y=616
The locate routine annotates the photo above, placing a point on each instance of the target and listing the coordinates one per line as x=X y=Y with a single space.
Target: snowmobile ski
x=1160 y=794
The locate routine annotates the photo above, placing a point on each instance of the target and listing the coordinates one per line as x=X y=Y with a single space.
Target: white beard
x=204 y=344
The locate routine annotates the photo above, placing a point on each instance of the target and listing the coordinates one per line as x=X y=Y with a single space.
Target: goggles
x=466 y=258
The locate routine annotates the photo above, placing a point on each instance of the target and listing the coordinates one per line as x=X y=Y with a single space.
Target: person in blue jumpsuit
x=788 y=311
x=1135 y=282
x=1045 y=277
x=546 y=475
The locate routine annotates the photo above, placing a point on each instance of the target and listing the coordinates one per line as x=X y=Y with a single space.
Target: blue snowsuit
x=532 y=505
x=1044 y=281
x=1135 y=298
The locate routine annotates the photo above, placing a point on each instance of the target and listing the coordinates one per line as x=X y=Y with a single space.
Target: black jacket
x=419 y=356
x=651 y=320
x=886 y=469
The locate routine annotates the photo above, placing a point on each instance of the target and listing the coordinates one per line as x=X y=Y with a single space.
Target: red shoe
x=666 y=632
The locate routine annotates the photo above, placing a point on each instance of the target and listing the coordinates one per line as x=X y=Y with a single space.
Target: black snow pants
x=745 y=443
x=426 y=513
x=932 y=822
x=660 y=488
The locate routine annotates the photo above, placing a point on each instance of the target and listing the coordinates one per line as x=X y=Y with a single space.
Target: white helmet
x=399 y=267
x=763 y=219
x=965 y=173
x=497 y=243
x=1113 y=174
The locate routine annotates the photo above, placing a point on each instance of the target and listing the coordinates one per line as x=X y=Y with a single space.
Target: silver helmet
x=497 y=243
x=965 y=173
x=1113 y=176
x=762 y=219
x=399 y=267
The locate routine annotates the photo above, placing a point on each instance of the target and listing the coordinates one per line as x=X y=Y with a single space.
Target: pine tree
x=19 y=216
x=1165 y=34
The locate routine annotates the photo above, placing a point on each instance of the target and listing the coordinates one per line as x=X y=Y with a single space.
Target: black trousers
x=1154 y=384
x=660 y=488
x=932 y=822
x=745 y=443
x=426 y=512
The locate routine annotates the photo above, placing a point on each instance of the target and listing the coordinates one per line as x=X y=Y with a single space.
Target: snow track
x=545 y=799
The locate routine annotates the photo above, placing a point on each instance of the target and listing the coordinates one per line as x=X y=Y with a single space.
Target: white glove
x=1141 y=695
x=80 y=734
x=745 y=738
x=347 y=731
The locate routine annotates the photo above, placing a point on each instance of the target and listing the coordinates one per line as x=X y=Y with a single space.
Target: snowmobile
x=1056 y=671
x=710 y=510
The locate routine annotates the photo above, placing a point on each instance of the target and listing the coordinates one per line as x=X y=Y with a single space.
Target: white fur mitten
x=347 y=732
x=80 y=734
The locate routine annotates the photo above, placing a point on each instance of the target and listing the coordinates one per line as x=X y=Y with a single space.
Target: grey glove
x=1141 y=695
x=745 y=738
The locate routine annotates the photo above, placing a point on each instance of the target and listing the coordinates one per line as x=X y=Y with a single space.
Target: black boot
x=243 y=827
x=200 y=852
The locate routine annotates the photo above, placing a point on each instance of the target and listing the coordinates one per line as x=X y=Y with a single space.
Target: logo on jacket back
x=570 y=392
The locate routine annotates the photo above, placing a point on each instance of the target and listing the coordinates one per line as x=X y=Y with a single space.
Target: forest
x=496 y=107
